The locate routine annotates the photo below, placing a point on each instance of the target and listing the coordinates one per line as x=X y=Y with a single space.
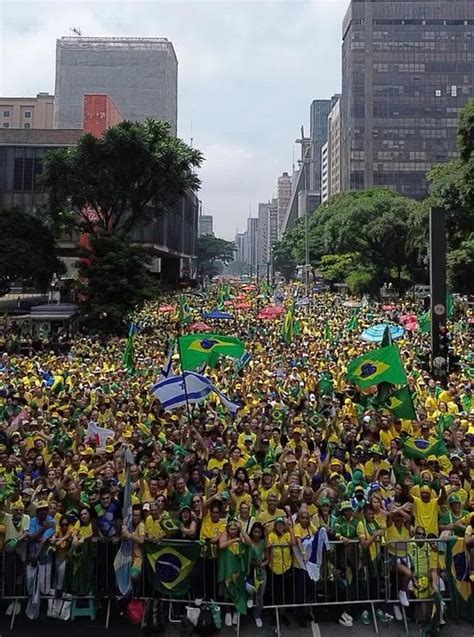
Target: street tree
x=212 y=254
x=129 y=176
x=27 y=250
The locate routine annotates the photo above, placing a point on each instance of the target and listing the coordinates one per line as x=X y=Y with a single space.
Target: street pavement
x=119 y=627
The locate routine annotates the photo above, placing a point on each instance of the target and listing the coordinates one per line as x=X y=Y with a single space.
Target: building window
x=454 y=91
x=27 y=125
x=27 y=114
x=6 y=113
x=438 y=93
x=6 y=125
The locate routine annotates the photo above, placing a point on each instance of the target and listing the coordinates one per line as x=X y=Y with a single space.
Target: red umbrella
x=200 y=326
x=270 y=312
x=167 y=308
x=243 y=306
x=409 y=322
x=389 y=307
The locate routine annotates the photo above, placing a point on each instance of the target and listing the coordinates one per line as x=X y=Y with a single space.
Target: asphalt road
x=119 y=626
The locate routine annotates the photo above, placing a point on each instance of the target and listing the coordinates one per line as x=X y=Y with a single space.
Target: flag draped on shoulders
x=383 y=364
x=205 y=349
x=233 y=563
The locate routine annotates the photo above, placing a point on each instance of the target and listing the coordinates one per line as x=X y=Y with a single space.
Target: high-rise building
x=263 y=234
x=251 y=243
x=318 y=131
x=325 y=177
x=27 y=112
x=283 y=196
x=206 y=225
x=334 y=149
x=407 y=71
x=139 y=74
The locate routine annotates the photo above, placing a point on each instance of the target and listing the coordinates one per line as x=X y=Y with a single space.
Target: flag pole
x=188 y=407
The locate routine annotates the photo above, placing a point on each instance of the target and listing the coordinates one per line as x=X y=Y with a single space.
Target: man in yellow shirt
x=153 y=529
x=426 y=508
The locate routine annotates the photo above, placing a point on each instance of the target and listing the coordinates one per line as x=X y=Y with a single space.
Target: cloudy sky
x=248 y=72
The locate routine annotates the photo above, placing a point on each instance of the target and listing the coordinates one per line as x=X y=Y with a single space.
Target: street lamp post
x=439 y=360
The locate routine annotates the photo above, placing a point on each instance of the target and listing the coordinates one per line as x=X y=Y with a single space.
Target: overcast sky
x=248 y=72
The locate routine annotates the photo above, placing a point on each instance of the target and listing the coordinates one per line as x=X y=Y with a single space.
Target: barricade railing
x=176 y=572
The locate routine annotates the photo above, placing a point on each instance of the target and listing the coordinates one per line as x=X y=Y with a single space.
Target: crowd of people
x=306 y=451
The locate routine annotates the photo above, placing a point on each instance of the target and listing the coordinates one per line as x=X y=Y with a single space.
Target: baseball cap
x=346 y=506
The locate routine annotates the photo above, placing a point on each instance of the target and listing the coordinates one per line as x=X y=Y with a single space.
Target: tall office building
x=407 y=71
x=334 y=149
x=318 y=131
x=251 y=243
x=27 y=112
x=267 y=230
x=206 y=225
x=283 y=196
x=139 y=74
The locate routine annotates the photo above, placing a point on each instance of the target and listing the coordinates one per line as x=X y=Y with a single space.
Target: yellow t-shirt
x=153 y=529
x=396 y=540
x=268 y=519
x=426 y=514
x=84 y=531
x=303 y=534
x=280 y=552
x=211 y=530
x=245 y=497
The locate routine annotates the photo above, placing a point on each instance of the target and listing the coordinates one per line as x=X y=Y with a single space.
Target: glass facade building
x=407 y=71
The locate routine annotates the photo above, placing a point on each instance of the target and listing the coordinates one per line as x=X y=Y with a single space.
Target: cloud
x=248 y=71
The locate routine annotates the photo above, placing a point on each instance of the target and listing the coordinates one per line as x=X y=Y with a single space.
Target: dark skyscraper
x=318 y=133
x=407 y=71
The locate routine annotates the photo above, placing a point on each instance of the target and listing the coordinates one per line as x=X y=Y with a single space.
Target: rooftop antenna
x=76 y=30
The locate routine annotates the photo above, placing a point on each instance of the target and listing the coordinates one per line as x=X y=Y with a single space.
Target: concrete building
x=302 y=201
x=334 y=150
x=251 y=244
x=325 y=177
x=407 y=71
x=206 y=225
x=27 y=112
x=283 y=196
x=170 y=239
x=263 y=233
x=139 y=74
x=318 y=133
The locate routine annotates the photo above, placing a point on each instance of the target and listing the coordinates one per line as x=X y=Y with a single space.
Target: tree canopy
x=212 y=251
x=27 y=250
x=110 y=184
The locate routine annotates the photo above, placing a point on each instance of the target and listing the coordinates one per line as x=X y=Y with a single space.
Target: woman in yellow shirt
x=279 y=550
x=303 y=530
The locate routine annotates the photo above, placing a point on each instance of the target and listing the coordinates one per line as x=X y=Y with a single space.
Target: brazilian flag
x=172 y=563
x=400 y=404
x=205 y=349
x=419 y=448
x=290 y=325
x=233 y=569
x=461 y=589
x=381 y=365
x=184 y=313
x=354 y=322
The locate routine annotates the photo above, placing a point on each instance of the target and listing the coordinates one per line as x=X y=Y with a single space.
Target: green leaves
x=210 y=251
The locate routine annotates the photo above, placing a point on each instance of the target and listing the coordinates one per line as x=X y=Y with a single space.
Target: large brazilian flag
x=172 y=563
x=205 y=349
x=461 y=589
x=381 y=365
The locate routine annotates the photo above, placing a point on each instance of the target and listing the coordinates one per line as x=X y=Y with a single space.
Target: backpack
x=135 y=610
x=205 y=623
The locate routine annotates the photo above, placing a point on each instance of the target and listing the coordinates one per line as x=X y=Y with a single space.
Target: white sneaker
x=347 y=617
x=258 y=622
x=402 y=596
x=345 y=622
x=228 y=619
x=235 y=619
x=397 y=612
x=10 y=609
x=250 y=603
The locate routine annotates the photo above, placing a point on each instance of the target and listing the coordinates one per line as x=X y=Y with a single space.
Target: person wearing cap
x=279 y=554
x=426 y=507
x=454 y=519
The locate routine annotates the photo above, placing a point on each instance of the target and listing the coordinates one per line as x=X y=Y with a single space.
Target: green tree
x=27 y=250
x=212 y=252
x=114 y=280
x=336 y=267
x=283 y=257
x=111 y=184
x=452 y=187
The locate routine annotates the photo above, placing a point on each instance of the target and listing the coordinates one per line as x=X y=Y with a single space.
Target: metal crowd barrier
x=350 y=579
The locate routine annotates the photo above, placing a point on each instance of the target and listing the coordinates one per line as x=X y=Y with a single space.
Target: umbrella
x=167 y=308
x=218 y=315
x=243 y=306
x=389 y=307
x=374 y=334
x=270 y=312
x=352 y=304
x=409 y=322
x=200 y=326
x=227 y=303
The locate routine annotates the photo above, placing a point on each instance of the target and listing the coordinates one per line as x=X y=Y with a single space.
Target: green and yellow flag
x=197 y=350
x=419 y=448
x=184 y=313
x=172 y=563
x=383 y=364
x=290 y=325
x=233 y=566
x=354 y=322
x=401 y=405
